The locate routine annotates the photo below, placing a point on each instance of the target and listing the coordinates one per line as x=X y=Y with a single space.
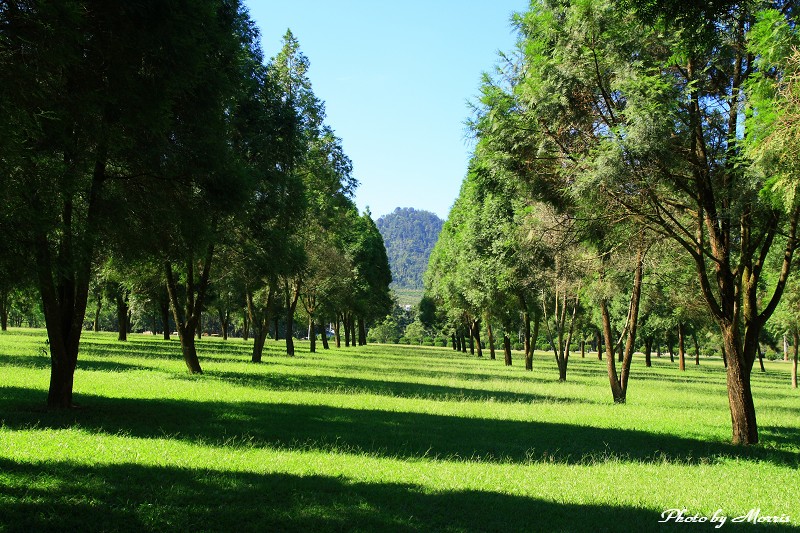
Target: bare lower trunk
x=599 y=346
x=648 y=349
x=163 y=306
x=696 y=349
x=475 y=327
x=324 y=337
x=491 y=339
x=507 y=349
x=740 y=396
x=96 y=322
x=122 y=317
x=681 y=348
x=337 y=336
x=453 y=341
x=796 y=337
x=761 y=359
x=619 y=383
x=312 y=335
x=362 y=332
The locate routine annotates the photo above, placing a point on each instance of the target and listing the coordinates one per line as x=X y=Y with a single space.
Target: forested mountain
x=409 y=236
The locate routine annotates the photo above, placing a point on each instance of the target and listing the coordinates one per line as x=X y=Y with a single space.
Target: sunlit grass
x=377 y=438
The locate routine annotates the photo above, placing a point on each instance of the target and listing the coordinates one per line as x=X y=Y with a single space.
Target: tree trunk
x=312 y=335
x=346 y=321
x=599 y=346
x=681 y=348
x=761 y=358
x=259 y=316
x=122 y=315
x=453 y=341
x=187 y=317
x=475 y=327
x=796 y=340
x=583 y=348
x=619 y=384
x=224 y=320
x=463 y=341
x=507 y=348
x=648 y=349
x=324 y=338
x=491 y=339
x=337 y=336
x=671 y=351
x=163 y=306
x=740 y=396
x=291 y=304
x=696 y=349
x=353 y=330
x=96 y=322
x=277 y=324
x=362 y=332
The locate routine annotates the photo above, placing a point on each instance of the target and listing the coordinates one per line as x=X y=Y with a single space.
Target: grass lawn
x=381 y=438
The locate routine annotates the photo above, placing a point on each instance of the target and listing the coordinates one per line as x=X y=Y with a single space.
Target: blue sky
x=396 y=78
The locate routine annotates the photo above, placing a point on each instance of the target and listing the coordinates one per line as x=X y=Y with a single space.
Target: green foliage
x=409 y=235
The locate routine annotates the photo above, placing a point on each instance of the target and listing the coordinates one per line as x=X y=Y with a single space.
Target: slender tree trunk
x=337 y=324
x=491 y=339
x=163 y=306
x=362 y=332
x=475 y=326
x=671 y=351
x=599 y=346
x=453 y=341
x=346 y=329
x=96 y=322
x=471 y=340
x=463 y=341
x=583 y=348
x=619 y=384
x=681 y=348
x=224 y=320
x=312 y=335
x=245 y=327
x=507 y=348
x=796 y=341
x=785 y=348
x=353 y=330
x=324 y=338
x=696 y=349
x=122 y=316
x=259 y=316
x=187 y=317
x=648 y=349
x=291 y=304
x=761 y=358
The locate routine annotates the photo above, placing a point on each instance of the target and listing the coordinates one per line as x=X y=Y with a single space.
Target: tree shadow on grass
x=402 y=389
x=140 y=498
x=375 y=432
x=43 y=362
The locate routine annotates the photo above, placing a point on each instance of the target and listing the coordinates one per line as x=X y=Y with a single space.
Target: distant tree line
x=152 y=159
x=633 y=185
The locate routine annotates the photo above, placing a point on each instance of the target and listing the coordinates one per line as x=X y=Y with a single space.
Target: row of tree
x=149 y=148
x=634 y=169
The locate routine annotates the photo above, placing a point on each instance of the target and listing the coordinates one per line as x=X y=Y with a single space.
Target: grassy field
x=380 y=438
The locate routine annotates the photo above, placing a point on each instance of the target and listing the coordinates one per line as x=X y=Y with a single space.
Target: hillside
x=409 y=236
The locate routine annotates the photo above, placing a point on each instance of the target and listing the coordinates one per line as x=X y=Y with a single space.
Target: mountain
x=409 y=236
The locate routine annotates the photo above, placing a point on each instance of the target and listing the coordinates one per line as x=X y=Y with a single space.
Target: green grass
x=379 y=438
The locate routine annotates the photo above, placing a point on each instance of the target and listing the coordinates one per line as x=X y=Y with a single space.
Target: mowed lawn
x=380 y=438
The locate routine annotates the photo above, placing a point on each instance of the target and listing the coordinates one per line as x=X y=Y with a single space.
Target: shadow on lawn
x=402 y=389
x=138 y=498
x=382 y=433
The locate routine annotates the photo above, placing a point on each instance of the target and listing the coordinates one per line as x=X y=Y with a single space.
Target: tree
x=92 y=105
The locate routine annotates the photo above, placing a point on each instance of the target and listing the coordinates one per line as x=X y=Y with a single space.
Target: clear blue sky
x=396 y=78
